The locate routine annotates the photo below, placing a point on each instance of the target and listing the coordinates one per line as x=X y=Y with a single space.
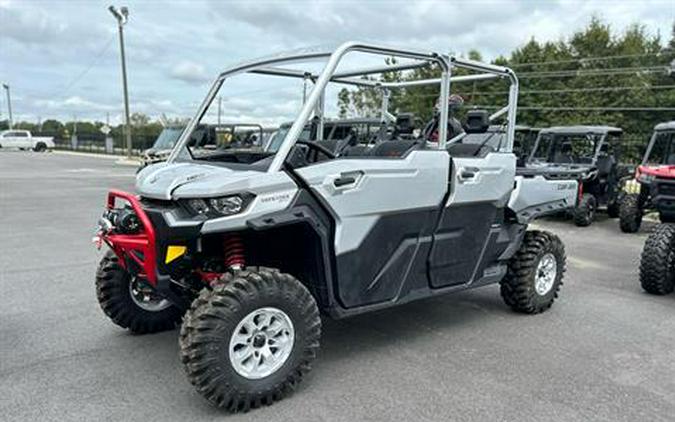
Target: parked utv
x=338 y=135
x=524 y=140
x=205 y=136
x=653 y=188
x=590 y=154
x=246 y=253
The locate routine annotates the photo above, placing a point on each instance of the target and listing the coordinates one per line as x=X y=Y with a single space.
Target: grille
x=666 y=189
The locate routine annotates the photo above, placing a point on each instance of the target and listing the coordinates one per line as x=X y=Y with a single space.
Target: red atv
x=653 y=188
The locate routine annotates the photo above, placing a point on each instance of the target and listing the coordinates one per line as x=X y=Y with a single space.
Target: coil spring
x=234 y=251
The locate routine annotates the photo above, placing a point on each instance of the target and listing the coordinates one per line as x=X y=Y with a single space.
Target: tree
x=594 y=68
x=139 y=120
x=52 y=126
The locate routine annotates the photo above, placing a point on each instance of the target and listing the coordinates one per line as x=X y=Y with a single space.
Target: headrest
x=477 y=121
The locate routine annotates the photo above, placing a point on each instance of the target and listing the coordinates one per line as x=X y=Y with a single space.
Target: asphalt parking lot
x=605 y=351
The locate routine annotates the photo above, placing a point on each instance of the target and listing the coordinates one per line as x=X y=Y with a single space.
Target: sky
x=61 y=58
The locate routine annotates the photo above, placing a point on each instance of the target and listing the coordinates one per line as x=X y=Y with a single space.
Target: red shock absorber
x=234 y=251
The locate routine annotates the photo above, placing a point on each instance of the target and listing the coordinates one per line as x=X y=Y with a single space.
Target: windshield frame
x=555 y=135
x=162 y=136
x=652 y=142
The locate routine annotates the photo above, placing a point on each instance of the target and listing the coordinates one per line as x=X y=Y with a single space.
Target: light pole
x=220 y=102
x=122 y=17
x=9 y=104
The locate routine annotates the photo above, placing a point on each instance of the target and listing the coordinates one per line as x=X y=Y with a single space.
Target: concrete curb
x=119 y=159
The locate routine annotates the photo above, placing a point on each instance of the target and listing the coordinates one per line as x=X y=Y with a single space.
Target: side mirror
x=477 y=121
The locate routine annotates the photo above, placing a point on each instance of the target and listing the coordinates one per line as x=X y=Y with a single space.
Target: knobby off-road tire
x=657 y=264
x=614 y=207
x=221 y=330
x=630 y=214
x=115 y=297
x=535 y=273
x=584 y=213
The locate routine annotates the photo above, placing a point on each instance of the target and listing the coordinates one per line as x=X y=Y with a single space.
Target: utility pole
x=122 y=17
x=9 y=104
x=220 y=101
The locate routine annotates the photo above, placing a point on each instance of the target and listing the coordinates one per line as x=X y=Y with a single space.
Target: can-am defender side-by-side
x=592 y=155
x=249 y=255
x=653 y=188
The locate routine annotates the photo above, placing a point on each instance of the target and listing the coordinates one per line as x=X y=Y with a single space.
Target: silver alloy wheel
x=547 y=270
x=261 y=343
x=145 y=298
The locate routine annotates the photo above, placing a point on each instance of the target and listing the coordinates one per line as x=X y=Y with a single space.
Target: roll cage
x=358 y=77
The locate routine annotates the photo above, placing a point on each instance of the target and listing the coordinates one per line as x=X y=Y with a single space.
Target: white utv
x=247 y=251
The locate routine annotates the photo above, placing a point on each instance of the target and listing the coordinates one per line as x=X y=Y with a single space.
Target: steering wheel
x=317 y=149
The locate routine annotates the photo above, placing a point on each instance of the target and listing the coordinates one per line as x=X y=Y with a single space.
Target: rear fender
x=534 y=197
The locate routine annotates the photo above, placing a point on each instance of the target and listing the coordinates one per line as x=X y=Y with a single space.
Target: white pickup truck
x=23 y=139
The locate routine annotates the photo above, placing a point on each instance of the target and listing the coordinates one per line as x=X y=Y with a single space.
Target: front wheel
x=535 y=273
x=249 y=341
x=630 y=213
x=614 y=207
x=584 y=213
x=129 y=302
x=657 y=263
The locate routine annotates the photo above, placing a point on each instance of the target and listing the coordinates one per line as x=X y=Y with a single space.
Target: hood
x=189 y=180
x=665 y=171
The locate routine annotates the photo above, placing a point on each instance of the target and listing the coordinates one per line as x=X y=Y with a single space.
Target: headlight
x=198 y=205
x=221 y=206
x=227 y=205
x=645 y=178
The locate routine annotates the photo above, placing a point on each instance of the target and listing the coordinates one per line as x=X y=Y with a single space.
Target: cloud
x=74 y=103
x=61 y=57
x=37 y=26
x=190 y=72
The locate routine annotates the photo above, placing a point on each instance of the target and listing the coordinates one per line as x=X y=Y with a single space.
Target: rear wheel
x=630 y=213
x=129 y=302
x=584 y=213
x=249 y=341
x=535 y=273
x=657 y=264
x=40 y=147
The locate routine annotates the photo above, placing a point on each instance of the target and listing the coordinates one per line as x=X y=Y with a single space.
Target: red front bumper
x=137 y=247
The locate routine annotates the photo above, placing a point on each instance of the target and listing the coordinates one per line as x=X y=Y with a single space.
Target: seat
x=605 y=164
x=564 y=154
x=356 y=151
x=394 y=148
x=330 y=144
x=457 y=149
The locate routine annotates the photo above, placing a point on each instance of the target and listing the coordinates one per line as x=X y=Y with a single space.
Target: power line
x=598 y=89
x=593 y=72
x=584 y=108
x=86 y=70
x=591 y=59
